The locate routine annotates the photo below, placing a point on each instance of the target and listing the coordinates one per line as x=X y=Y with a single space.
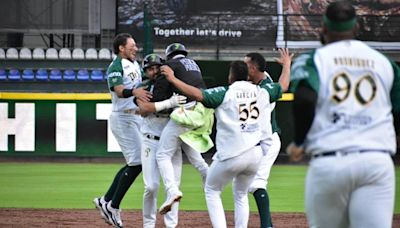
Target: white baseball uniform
x=243 y=112
x=350 y=181
x=124 y=123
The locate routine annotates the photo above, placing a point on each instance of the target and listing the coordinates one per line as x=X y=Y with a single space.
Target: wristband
x=127 y=93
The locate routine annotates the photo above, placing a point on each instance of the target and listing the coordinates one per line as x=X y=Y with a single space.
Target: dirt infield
x=10 y=217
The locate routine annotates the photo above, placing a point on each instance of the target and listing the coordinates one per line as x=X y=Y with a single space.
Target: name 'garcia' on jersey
x=246 y=94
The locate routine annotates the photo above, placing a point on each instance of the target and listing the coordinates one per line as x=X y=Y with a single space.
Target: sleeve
x=214 y=97
x=114 y=76
x=304 y=70
x=395 y=91
x=274 y=90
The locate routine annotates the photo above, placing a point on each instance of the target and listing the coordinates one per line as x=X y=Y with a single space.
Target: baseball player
x=258 y=75
x=188 y=71
x=345 y=93
x=124 y=76
x=243 y=112
x=153 y=124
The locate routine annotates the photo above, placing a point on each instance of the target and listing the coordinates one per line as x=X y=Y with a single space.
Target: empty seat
x=14 y=75
x=38 y=53
x=28 y=75
x=2 y=53
x=12 y=53
x=51 y=53
x=78 y=53
x=64 y=53
x=55 y=75
x=104 y=53
x=91 y=53
x=69 y=75
x=25 y=53
x=83 y=75
x=42 y=75
x=97 y=75
x=3 y=75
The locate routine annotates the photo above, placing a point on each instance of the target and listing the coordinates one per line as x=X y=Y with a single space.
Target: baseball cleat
x=167 y=205
x=98 y=202
x=114 y=215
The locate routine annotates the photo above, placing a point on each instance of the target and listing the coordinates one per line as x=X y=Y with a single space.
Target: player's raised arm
x=285 y=60
x=187 y=90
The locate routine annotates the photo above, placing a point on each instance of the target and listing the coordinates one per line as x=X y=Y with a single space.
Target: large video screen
x=222 y=22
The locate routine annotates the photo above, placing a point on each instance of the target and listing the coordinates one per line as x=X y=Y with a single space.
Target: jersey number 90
x=364 y=89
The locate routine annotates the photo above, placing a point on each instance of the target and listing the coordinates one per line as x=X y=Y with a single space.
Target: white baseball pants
x=353 y=190
x=126 y=129
x=169 y=143
x=241 y=170
x=151 y=178
x=271 y=153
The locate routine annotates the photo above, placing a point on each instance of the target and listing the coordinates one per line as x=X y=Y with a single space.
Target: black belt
x=258 y=144
x=344 y=153
x=154 y=137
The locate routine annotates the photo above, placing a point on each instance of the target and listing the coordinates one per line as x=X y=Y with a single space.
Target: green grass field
x=62 y=185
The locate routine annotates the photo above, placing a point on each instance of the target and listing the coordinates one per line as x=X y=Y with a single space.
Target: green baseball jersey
x=357 y=89
x=274 y=123
x=243 y=113
x=126 y=73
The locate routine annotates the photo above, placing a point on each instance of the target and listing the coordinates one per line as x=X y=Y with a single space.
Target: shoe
x=167 y=205
x=98 y=203
x=114 y=215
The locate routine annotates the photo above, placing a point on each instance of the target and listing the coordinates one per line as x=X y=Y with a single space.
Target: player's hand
x=168 y=72
x=295 y=152
x=177 y=100
x=285 y=57
x=142 y=94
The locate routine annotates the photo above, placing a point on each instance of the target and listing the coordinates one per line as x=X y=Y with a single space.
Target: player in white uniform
x=258 y=75
x=124 y=76
x=243 y=112
x=153 y=124
x=345 y=93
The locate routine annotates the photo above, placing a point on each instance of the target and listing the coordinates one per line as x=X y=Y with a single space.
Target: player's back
x=353 y=110
x=243 y=118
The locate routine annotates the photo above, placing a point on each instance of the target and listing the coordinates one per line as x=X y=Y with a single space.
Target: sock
x=262 y=200
x=108 y=196
x=127 y=178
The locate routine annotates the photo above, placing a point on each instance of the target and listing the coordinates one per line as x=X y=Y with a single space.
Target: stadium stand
x=38 y=53
x=97 y=75
x=78 y=53
x=42 y=75
x=28 y=75
x=25 y=53
x=51 y=53
x=65 y=53
x=104 y=53
x=12 y=53
x=91 y=53
x=3 y=75
x=83 y=75
x=14 y=75
x=2 y=53
x=69 y=75
x=55 y=75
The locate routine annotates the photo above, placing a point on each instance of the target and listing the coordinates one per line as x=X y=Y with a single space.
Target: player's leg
x=259 y=184
x=169 y=142
x=327 y=192
x=151 y=179
x=125 y=128
x=171 y=218
x=219 y=175
x=196 y=160
x=249 y=162
x=372 y=203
